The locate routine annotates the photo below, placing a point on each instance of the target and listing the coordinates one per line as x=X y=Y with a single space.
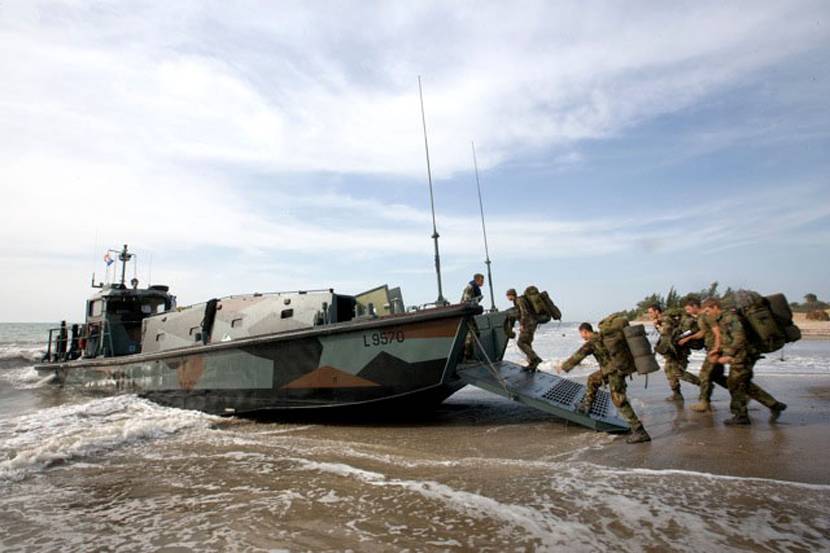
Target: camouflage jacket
x=472 y=293
x=592 y=346
x=670 y=328
x=667 y=329
x=733 y=335
x=527 y=318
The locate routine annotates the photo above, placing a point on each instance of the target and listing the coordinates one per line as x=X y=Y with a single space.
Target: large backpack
x=541 y=305
x=767 y=320
x=612 y=336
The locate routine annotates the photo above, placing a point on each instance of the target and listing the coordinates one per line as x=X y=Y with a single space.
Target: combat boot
x=638 y=436
x=701 y=407
x=584 y=407
x=737 y=420
x=676 y=396
x=776 y=410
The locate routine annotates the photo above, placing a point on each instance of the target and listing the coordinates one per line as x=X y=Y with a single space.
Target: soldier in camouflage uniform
x=738 y=354
x=712 y=372
x=607 y=374
x=675 y=357
x=472 y=294
x=527 y=329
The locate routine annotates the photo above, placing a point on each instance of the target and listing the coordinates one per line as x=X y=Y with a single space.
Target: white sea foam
x=24 y=378
x=590 y=507
x=21 y=353
x=56 y=435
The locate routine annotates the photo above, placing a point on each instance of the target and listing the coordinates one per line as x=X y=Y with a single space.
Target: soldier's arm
x=575 y=359
x=696 y=336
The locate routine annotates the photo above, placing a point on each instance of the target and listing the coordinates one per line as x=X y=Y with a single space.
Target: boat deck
x=546 y=392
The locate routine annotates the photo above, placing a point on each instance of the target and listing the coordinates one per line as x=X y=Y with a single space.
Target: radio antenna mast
x=435 y=235
x=484 y=232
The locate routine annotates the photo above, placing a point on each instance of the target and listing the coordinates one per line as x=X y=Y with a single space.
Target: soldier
x=472 y=294
x=527 y=329
x=675 y=356
x=608 y=374
x=741 y=357
x=712 y=372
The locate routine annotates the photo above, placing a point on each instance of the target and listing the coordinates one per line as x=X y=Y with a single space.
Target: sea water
x=81 y=473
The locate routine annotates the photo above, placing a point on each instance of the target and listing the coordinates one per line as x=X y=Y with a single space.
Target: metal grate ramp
x=546 y=392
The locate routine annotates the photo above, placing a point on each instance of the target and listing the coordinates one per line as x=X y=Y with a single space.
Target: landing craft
x=284 y=351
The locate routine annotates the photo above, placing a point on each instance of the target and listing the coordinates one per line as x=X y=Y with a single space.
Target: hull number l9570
x=383 y=338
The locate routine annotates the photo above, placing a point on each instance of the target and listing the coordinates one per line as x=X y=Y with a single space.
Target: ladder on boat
x=546 y=392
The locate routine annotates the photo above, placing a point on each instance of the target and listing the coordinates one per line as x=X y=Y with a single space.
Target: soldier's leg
x=618 y=387
x=470 y=340
x=754 y=391
x=685 y=375
x=761 y=396
x=714 y=374
x=593 y=384
x=525 y=343
x=669 y=366
x=738 y=381
x=616 y=382
x=674 y=372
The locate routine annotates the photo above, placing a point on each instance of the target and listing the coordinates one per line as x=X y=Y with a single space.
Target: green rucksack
x=613 y=338
x=768 y=326
x=541 y=305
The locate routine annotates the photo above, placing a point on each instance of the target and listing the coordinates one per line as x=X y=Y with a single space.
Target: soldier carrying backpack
x=752 y=329
x=527 y=328
x=671 y=325
x=617 y=359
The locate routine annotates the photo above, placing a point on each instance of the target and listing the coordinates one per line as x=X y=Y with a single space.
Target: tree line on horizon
x=674 y=299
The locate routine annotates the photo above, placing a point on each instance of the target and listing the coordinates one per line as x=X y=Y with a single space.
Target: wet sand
x=795 y=448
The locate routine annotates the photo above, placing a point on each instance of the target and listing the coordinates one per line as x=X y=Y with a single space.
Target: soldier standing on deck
x=712 y=372
x=472 y=294
x=607 y=373
x=527 y=329
x=675 y=357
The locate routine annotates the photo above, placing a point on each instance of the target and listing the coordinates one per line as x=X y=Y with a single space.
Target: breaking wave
x=61 y=434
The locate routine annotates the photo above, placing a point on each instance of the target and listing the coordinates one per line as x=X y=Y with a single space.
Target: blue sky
x=623 y=148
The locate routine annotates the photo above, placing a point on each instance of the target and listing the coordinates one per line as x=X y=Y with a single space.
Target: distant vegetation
x=815 y=308
x=811 y=303
x=676 y=299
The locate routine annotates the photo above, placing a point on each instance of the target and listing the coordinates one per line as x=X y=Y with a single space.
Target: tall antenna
x=484 y=232
x=435 y=235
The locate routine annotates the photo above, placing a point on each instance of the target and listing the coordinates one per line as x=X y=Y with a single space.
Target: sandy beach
x=817 y=330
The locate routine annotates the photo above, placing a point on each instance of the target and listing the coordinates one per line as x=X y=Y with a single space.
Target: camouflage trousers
x=618 y=387
x=676 y=371
x=713 y=373
x=470 y=340
x=738 y=381
x=525 y=343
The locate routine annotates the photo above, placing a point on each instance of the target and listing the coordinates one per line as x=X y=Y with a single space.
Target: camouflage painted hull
x=381 y=361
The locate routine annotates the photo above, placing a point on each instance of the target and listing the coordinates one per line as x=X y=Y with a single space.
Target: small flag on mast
x=108 y=259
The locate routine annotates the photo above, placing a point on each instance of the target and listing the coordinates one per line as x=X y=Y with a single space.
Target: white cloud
x=135 y=119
